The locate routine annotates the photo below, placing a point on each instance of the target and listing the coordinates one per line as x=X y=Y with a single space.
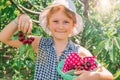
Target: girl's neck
x=61 y=42
x=60 y=45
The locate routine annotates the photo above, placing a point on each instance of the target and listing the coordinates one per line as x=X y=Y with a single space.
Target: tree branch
x=85 y=3
x=30 y=11
x=86 y=7
x=36 y=22
x=20 y=8
x=33 y=6
x=81 y=2
x=17 y=6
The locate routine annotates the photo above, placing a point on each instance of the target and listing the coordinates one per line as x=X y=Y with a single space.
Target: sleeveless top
x=46 y=64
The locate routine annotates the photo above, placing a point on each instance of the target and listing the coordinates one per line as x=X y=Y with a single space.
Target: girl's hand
x=24 y=23
x=86 y=75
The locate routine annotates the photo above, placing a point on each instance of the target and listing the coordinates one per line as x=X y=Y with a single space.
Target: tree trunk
x=86 y=8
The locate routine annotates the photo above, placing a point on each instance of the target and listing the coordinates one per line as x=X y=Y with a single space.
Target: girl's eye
x=55 y=21
x=66 y=21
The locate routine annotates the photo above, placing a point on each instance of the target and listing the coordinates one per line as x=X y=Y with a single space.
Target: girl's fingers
x=77 y=78
x=30 y=26
x=26 y=27
x=79 y=72
x=22 y=27
x=19 y=21
x=24 y=23
x=19 y=24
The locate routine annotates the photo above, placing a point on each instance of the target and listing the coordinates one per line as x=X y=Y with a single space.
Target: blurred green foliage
x=101 y=35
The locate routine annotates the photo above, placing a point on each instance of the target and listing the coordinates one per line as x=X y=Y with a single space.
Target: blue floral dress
x=47 y=60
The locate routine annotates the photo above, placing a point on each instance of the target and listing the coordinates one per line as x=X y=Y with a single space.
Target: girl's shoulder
x=81 y=50
x=74 y=45
x=38 y=41
x=84 y=52
x=45 y=41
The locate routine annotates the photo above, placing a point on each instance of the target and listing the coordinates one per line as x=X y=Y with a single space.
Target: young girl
x=61 y=21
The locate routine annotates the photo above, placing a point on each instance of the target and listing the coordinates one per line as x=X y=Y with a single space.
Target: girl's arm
x=7 y=33
x=23 y=23
x=104 y=74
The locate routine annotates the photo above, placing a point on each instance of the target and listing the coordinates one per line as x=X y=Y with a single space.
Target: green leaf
x=18 y=64
x=112 y=52
x=22 y=50
x=117 y=74
x=32 y=56
x=107 y=44
x=99 y=48
x=30 y=53
x=117 y=41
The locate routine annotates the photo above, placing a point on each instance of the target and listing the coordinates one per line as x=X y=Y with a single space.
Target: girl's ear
x=73 y=25
x=48 y=27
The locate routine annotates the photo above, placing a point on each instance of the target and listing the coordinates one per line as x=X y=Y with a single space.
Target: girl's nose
x=61 y=25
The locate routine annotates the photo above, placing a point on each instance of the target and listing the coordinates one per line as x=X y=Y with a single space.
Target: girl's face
x=60 y=25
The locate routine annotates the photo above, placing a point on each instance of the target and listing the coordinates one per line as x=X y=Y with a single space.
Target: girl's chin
x=60 y=36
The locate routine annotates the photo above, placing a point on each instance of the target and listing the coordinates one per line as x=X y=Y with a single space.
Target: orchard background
x=101 y=35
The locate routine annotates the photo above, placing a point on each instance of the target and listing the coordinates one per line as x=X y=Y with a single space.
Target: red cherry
x=20 y=35
x=29 y=41
x=21 y=38
x=32 y=38
x=86 y=68
x=81 y=68
x=25 y=41
x=88 y=64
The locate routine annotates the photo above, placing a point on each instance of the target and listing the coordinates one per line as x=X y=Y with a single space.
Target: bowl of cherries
x=74 y=62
